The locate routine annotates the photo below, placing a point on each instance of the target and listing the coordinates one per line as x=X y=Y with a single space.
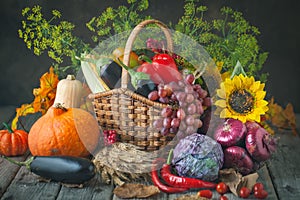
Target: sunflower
x=241 y=98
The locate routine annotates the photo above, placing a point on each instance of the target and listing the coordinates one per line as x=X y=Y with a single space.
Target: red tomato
x=258 y=186
x=223 y=197
x=205 y=193
x=261 y=194
x=221 y=188
x=244 y=192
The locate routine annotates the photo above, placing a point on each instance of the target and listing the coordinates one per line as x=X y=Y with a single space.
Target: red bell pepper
x=165 y=59
x=163 y=69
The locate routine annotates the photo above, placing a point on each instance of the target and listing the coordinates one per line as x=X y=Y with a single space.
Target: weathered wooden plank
x=284 y=167
x=26 y=185
x=8 y=172
x=93 y=189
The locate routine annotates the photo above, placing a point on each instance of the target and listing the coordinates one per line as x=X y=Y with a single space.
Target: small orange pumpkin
x=13 y=143
x=61 y=131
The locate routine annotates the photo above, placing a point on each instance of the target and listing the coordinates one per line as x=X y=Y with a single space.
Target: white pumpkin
x=69 y=92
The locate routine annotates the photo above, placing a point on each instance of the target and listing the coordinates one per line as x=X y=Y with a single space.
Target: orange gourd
x=13 y=143
x=61 y=131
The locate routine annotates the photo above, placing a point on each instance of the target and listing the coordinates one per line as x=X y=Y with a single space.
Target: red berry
x=223 y=197
x=205 y=193
x=261 y=194
x=221 y=188
x=244 y=192
x=258 y=186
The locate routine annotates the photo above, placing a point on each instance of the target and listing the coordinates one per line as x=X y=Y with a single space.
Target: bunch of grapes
x=155 y=45
x=186 y=102
x=110 y=137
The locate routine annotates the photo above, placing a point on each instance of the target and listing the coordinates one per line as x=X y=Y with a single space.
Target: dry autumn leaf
x=135 y=190
x=44 y=97
x=235 y=181
x=280 y=117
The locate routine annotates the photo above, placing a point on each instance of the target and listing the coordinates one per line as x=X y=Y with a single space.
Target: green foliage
x=42 y=35
x=117 y=20
x=229 y=39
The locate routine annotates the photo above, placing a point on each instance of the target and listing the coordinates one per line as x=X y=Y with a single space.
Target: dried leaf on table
x=191 y=197
x=280 y=117
x=236 y=181
x=134 y=190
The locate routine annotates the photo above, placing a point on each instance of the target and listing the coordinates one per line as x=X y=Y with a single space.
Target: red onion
x=230 y=133
x=238 y=158
x=259 y=143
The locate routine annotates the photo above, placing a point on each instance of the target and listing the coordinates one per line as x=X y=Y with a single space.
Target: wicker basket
x=132 y=115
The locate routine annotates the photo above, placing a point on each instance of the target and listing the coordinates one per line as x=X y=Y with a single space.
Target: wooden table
x=281 y=177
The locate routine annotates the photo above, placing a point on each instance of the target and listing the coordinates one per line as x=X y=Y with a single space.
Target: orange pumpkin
x=61 y=131
x=13 y=143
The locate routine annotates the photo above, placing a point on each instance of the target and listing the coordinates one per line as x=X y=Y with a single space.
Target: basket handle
x=132 y=37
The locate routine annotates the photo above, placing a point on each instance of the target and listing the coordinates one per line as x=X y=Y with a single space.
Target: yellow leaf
x=22 y=111
x=49 y=80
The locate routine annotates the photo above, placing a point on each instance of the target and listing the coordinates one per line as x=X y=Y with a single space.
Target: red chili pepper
x=178 y=181
x=160 y=70
x=162 y=187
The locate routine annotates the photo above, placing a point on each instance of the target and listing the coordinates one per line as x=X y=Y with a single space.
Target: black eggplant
x=64 y=169
x=144 y=87
x=111 y=75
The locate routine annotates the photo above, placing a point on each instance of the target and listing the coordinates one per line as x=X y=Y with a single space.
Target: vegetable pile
x=246 y=145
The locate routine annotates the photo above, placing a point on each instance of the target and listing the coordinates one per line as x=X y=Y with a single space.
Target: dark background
x=278 y=22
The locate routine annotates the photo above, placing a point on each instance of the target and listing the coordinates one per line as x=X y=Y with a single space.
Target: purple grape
x=189 y=89
x=198 y=123
x=153 y=96
x=190 y=98
x=173 y=130
x=167 y=112
x=180 y=114
x=190 y=120
x=207 y=102
x=181 y=96
x=202 y=93
x=163 y=99
x=167 y=122
x=199 y=109
x=196 y=87
x=164 y=131
x=173 y=97
x=190 y=78
x=175 y=122
x=191 y=109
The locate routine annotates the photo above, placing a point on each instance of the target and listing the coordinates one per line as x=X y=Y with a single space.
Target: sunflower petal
x=237 y=82
x=225 y=113
x=221 y=103
x=221 y=93
x=242 y=118
x=261 y=103
x=255 y=86
x=260 y=95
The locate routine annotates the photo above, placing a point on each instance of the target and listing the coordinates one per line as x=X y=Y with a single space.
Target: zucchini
x=64 y=169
